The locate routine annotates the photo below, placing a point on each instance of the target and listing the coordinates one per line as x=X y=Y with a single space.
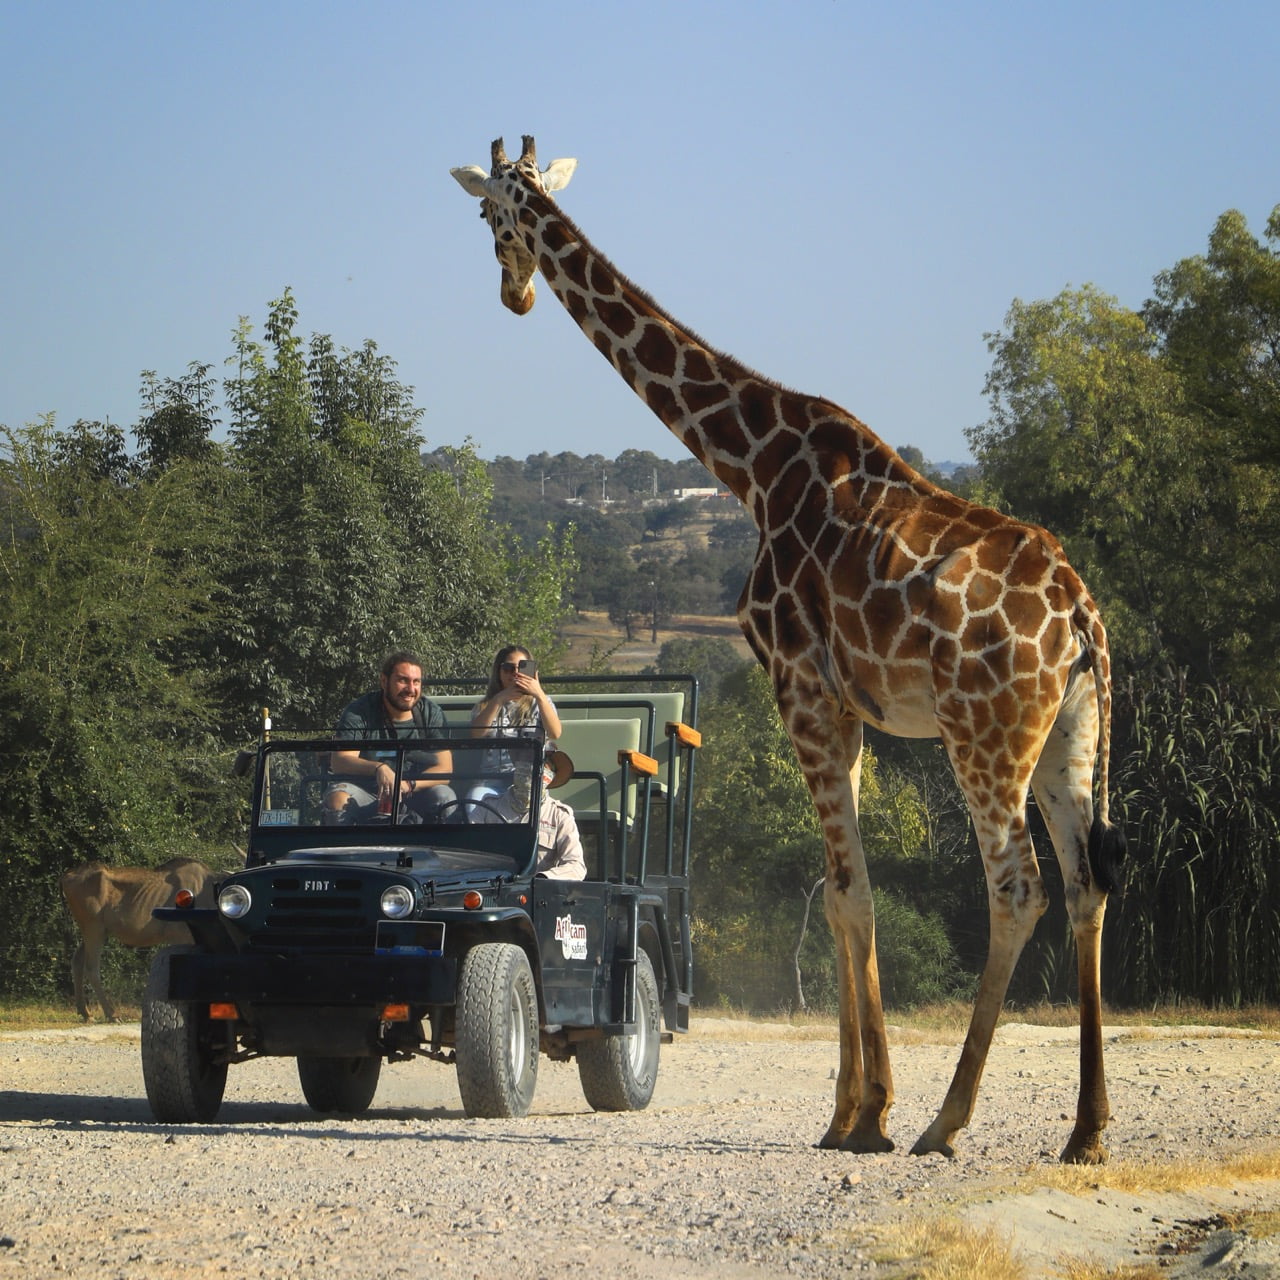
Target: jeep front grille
x=338 y=917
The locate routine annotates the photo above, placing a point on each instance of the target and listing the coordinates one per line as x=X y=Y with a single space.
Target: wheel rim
x=517 y=1035
x=638 y=1043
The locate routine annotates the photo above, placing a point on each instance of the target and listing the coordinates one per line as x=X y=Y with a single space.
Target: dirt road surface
x=719 y=1178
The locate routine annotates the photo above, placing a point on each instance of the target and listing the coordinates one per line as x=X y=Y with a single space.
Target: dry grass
x=1261 y=1225
x=923 y=1025
x=946 y=1023
x=947 y=1249
x=955 y=1016
x=1258 y=1225
x=1176 y=1175
x=944 y=1249
x=36 y=1016
x=1097 y=1271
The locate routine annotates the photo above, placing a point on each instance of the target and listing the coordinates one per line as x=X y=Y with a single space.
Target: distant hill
x=590 y=635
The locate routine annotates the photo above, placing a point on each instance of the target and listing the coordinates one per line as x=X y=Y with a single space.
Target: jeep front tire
x=184 y=1084
x=496 y=1032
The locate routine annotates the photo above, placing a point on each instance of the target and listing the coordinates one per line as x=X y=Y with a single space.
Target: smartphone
x=527 y=667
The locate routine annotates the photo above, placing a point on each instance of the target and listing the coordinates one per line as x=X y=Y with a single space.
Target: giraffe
x=878 y=598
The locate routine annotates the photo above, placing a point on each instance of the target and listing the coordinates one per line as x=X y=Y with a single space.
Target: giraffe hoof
x=925 y=1145
x=865 y=1144
x=833 y=1139
x=1084 y=1151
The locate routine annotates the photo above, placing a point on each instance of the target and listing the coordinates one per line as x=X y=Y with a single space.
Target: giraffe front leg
x=864 y=1089
x=957 y=1106
x=849 y=1078
x=829 y=748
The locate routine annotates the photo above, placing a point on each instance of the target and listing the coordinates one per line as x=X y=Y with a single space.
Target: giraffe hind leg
x=1090 y=855
x=996 y=790
x=1008 y=937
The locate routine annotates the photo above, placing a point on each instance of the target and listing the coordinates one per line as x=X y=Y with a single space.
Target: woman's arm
x=550 y=716
x=486 y=713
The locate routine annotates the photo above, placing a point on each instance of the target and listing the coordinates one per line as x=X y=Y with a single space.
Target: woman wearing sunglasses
x=515 y=705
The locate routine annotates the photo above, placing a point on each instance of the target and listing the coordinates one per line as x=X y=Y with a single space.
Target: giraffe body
x=875 y=597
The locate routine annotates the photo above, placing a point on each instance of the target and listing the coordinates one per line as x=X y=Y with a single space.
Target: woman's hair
x=495 y=675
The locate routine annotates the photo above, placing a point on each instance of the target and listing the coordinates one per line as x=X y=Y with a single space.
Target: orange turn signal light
x=472 y=899
x=184 y=898
x=224 y=1012
x=395 y=1013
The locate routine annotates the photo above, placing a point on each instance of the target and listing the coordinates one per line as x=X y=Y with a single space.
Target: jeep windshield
x=385 y=795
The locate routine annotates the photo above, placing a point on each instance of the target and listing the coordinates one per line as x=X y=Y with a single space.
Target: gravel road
x=719 y=1177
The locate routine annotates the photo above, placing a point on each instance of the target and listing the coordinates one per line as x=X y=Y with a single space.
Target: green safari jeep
x=395 y=937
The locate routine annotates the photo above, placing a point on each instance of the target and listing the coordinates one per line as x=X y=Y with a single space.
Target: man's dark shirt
x=367 y=717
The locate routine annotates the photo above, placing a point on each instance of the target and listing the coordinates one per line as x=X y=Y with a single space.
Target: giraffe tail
x=1107 y=844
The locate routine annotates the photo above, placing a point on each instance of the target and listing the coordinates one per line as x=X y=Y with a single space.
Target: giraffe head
x=501 y=192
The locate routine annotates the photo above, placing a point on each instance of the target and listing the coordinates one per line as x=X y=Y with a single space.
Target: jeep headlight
x=397 y=902
x=234 y=901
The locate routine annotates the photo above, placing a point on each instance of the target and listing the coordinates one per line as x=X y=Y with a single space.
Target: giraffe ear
x=557 y=174
x=471 y=178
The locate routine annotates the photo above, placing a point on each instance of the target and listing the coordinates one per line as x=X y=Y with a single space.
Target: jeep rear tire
x=184 y=1085
x=618 y=1073
x=339 y=1084
x=497 y=1032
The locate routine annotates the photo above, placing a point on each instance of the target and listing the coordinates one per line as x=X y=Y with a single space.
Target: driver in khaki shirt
x=559 y=845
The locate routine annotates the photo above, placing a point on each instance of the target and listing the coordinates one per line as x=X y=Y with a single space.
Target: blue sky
x=846 y=196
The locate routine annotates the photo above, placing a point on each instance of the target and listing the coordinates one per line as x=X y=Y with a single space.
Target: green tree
x=1091 y=436
x=346 y=546
x=178 y=418
x=1149 y=443
x=1218 y=316
x=150 y=605
x=709 y=659
x=758 y=851
x=107 y=752
x=1085 y=438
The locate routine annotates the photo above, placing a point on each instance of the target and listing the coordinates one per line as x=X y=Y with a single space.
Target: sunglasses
x=510 y=666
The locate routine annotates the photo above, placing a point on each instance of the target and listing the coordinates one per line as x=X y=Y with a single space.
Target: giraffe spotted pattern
x=878 y=598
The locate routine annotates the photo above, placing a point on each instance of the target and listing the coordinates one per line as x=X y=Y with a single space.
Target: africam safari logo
x=572 y=938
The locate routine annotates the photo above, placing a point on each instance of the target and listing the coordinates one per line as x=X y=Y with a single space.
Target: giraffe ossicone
x=876 y=597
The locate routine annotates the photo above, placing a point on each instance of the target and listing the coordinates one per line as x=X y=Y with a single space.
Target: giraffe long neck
x=744 y=428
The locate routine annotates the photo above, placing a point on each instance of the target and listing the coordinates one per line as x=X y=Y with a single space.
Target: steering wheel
x=449 y=805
